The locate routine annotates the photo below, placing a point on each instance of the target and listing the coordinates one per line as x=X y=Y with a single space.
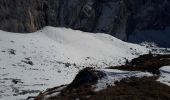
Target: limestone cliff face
x=116 y=17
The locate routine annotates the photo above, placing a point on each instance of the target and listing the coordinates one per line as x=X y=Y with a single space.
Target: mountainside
x=30 y=63
x=120 y=18
x=84 y=49
x=146 y=77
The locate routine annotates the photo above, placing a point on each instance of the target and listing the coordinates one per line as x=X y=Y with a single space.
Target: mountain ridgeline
x=129 y=20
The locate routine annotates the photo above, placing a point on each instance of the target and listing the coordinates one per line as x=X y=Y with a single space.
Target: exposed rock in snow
x=93 y=80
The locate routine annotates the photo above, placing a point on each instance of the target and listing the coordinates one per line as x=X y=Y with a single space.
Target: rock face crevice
x=116 y=17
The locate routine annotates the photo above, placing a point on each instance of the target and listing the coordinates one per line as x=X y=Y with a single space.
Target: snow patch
x=113 y=76
x=165 y=75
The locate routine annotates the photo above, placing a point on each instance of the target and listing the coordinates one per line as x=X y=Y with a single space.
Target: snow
x=165 y=75
x=30 y=63
x=113 y=75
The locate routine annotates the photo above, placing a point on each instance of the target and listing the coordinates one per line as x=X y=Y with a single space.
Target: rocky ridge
x=116 y=17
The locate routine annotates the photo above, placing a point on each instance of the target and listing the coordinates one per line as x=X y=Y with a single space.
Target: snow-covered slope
x=30 y=63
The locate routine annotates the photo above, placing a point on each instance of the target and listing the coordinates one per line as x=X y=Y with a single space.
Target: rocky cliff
x=116 y=17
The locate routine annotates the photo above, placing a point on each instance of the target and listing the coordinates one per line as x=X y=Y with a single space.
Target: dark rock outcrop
x=120 y=18
x=87 y=76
